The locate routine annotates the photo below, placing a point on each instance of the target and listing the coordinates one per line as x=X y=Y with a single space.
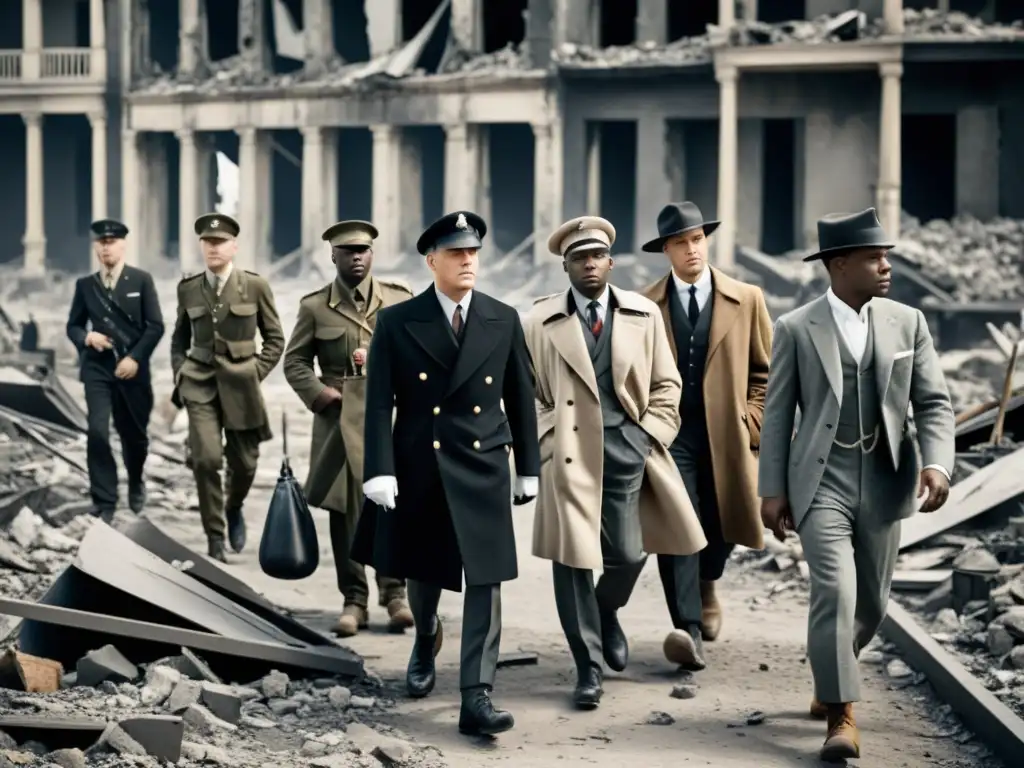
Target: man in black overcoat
x=438 y=484
x=115 y=323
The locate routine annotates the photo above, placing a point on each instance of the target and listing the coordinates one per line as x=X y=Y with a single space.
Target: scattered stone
x=999 y=641
x=160 y=681
x=948 y=620
x=755 y=718
x=222 y=701
x=68 y=758
x=897 y=669
x=186 y=693
x=24 y=528
x=872 y=657
x=313 y=748
x=340 y=697
x=114 y=738
x=659 y=718
x=204 y=721
x=363 y=702
x=260 y=723
x=191 y=666
x=275 y=685
x=283 y=706
x=105 y=664
x=684 y=691
x=1017 y=657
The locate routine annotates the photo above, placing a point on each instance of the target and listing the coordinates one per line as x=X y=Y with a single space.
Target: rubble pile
x=931 y=22
x=972 y=260
x=686 y=51
x=511 y=57
x=847 y=26
x=271 y=721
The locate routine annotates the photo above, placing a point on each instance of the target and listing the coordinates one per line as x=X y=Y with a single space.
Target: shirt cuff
x=941 y=469
x=526 y=486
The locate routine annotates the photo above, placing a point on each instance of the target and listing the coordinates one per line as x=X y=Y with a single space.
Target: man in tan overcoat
x=721 y=338
x=217 y=377
x=334 y=328
x=607 y=395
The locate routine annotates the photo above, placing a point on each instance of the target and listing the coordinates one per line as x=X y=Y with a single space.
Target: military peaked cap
x=352 y=234
x=111 y=229
x=460 y=229
x=585 y=233
x=217 y=226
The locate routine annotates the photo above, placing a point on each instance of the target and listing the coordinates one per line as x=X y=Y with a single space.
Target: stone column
x=312 y=190
x=252 y=36
x=35 y=230
x=726 y=17
x=97 y=40
x=131 y=199
x=190 y=40
x=317 y=34
x=892 y=14
x=98 y=123
x=188 y=201
x=728 y=149
x=461 y=169
x=248 y=198
x=467 y=24
x=977 y=161
x=410 y=204
x=547 y=186
x=653 y=184
x=652 y=21
x=890 y=163
x=387 y=186
x=31 y=39
x=592 y=194
x=330 y=178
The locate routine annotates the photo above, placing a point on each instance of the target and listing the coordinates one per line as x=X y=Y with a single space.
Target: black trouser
x=681 y=574
x=130 y=404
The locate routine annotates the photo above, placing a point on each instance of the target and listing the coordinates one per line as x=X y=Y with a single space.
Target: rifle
x=117 y=324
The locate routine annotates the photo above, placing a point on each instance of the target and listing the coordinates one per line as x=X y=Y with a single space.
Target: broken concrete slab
x=106 y=663
x=159 y=735
x=222 y=701
x=32 y=674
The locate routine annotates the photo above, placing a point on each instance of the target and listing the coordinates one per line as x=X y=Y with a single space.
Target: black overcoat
x=450 y=442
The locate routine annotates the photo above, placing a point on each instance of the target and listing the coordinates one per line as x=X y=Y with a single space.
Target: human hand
x=777 y=517
x=328 y=397
x=936 y=485
x=382 y=491
x=359 y=357
x=98 y=341
x=127 y=368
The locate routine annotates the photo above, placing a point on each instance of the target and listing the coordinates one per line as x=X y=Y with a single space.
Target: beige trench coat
x=567 y=521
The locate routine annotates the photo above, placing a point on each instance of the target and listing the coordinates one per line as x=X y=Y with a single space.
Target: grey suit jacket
x=806 y=372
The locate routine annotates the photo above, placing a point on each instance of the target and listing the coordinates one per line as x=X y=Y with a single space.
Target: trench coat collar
x=724 y=312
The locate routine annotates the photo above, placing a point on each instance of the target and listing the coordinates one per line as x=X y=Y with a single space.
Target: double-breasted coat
x=213 y=347
x=330 y=327
x=567 y=520
x=735 y=380
x=449 y=448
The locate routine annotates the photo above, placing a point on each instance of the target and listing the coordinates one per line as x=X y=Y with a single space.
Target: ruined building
x=767 y=114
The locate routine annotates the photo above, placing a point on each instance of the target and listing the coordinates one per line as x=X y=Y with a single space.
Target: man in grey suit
x=855 y=362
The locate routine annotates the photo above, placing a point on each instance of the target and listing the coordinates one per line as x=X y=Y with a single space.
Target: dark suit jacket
x=449 y=447
x=135 y=293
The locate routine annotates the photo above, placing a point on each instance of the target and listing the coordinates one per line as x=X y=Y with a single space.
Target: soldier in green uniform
x=217 y=376
x=334 y=327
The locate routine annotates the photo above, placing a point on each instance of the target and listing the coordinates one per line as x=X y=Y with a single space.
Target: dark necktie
x=694 y=310
x=457 y=321
x=594 y=319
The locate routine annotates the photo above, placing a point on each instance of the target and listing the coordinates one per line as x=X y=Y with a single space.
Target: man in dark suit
x=115 y=323
x=438 y=484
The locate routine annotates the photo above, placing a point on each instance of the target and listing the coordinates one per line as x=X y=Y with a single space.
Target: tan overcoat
x=567 y=521
x=735 y=380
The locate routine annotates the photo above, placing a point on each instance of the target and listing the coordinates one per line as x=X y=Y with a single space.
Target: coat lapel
x=566 y=335
x=883 y=331
x=628 y=332
x=725 y=312
x=428 y=329
x=343 y=304
x=822 y=329
x=481 y=335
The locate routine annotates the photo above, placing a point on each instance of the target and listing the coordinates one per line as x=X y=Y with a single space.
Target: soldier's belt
x=236 y=350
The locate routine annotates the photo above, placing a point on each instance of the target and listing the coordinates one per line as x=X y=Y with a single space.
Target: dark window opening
x=164 y=23
x=222 y=29
x=416 y=13
x=778 y=187
x=431 y=139
x=1008 y=11
x=691 y=19
x=617 y=177
x=355 y=171
x=929 y=166
x=777 y=11
x=510 y=158
x=286 y=171
x=618 y=22
x=351 y=37
x=82 y=24
x=504 y=24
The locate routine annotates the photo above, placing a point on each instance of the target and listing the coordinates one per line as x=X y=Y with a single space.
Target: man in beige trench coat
x=607 y=393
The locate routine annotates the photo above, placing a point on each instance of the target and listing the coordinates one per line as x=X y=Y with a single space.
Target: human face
x=352 y=264
x=218 y=252
x=454 y=270
x=588 y=270
x=688 y=253
x=861 y=274
x=109 y=250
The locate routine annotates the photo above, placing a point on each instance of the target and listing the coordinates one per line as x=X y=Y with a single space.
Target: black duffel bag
x=289 y=548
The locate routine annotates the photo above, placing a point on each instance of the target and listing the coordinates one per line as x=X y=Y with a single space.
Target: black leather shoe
x=478 y=717
x=588 y=688
x=215 y=549
x=106 y=515
x=421 y=674
x=236 y=529
x=136 y=497
x=613 y=642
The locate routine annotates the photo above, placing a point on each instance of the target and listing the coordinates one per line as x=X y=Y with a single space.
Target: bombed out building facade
x=767 y=114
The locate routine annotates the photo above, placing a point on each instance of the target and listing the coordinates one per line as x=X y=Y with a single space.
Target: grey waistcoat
x=692 y=348
x=600 y=350
x=860 y=411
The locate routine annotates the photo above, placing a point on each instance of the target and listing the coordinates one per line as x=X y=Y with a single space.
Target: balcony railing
x=75 y=65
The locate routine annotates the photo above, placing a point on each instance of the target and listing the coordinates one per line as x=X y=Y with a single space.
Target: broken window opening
x=1008 y=11
x=690 y=19
x=350 y=30
x=929 y=166
x=778 y=11
x=778 y=187
x=431 y=140
x=611 y=175
x=415 y=14
x=164 y=24
x=10 y=26
x=617 y=22
x=286 y=202
x=511 y=169
x=222 y=29
x=12 y=156
x=504 y=24
x=81 y=30
x=355 y=172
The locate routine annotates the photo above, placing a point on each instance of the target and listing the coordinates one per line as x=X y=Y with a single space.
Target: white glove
x=526 y=486
x=382 y=490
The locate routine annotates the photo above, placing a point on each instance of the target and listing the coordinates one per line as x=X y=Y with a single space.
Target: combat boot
x=843 y=740
x=236 y=528
x=479 y=717
x=137 y=496
x=817 y=710
x=215 y=549
x=399 y=616
x=352 y=619
x=711 y=611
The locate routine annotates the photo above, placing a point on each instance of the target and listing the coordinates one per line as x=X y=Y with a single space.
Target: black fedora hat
x=848 y=231
x=676 y=218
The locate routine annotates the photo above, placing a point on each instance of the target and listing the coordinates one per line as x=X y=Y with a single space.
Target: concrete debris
x=510 y=58
x=930 y=21
x=686 y=51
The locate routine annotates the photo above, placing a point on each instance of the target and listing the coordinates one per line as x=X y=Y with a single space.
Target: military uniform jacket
x=213 y=347
x=330 y=327
x=450 y=442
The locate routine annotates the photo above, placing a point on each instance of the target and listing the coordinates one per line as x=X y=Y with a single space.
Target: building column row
x=890 y=162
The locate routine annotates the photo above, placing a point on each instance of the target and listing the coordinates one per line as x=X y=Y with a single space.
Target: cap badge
x=582 y=225
x=215 y=223
x=461 y=223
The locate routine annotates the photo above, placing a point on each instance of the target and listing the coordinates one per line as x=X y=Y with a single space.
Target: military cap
x=108 y=229
x=217 y=226
x=460 y=229
x=351 y=234
x=585 y=233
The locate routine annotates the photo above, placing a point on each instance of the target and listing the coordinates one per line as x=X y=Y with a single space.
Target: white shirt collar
x=844 y=312
x=448 y=306
x=703 y=284
x=211 y=278
x=115 y=273
x=582 y=302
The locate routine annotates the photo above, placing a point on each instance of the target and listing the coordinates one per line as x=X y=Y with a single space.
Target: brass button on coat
x=437 y=444
x=488 y=380
x=423 y=377
x=476 y=409
x=437 y=410
x=476 y=444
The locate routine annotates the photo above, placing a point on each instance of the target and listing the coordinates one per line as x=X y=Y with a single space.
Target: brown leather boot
x=399 y=615
x=843 y=740
x=818 y=711
x=352 y=619
x=711 y=611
